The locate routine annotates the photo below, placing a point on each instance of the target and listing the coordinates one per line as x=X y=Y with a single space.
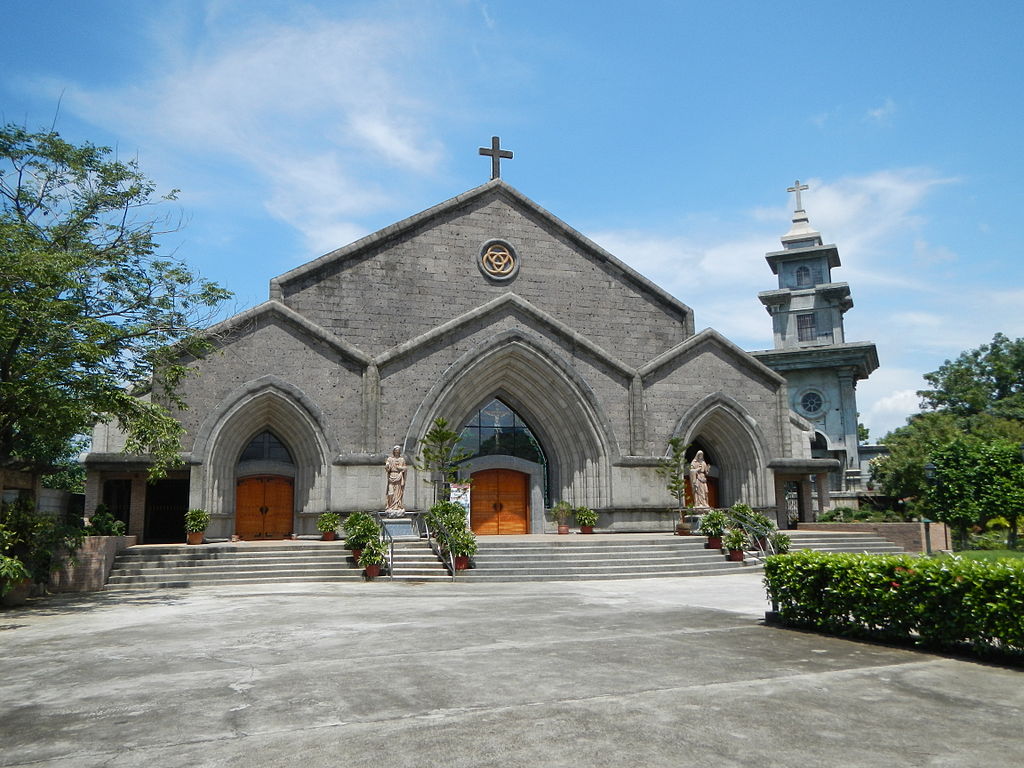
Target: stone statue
x=699 y=470
x=395 y=468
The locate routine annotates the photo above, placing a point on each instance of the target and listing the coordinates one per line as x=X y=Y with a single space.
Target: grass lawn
x=992 y=554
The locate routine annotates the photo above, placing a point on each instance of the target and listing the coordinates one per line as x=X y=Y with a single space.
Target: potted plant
x=373 y=555
x=586 y=519
x=561 y=513
x=196 y=523
x=712 y=525
x=360 y=528
x=763 y=523
x=734 y=540
x=327 y=524
x=462 y=545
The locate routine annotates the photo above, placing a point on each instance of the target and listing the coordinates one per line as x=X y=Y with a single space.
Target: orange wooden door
x=499 y=502
x=263 y=507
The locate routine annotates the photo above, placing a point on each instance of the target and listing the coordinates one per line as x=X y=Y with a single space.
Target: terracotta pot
x=762 y=544
x=461 y=562
x=372 y=571
x=736 y=555
x=196 y=538
x=586 y=529
x=563 y=529
x=714 y=542
x=329 y=536
x=683 y=529
x=356 y=553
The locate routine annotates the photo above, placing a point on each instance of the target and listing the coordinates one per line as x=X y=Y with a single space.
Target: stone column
x=823 y=494
x=804 y=500
x=137 y=508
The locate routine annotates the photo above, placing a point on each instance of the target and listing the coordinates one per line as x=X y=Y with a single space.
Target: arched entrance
x=508 y=461
x=499 y=502
x=263 y=507
x=265 y=489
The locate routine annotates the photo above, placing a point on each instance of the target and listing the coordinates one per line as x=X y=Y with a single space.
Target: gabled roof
x=288 y=315
x=711 y=337
x=495 y=188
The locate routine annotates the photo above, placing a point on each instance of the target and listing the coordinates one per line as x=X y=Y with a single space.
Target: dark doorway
x=166 y=504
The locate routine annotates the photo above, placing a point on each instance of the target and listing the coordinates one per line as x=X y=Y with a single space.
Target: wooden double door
x=264 y=507
x=499 y=502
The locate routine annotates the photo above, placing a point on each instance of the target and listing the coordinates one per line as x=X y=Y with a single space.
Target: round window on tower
x=811 y=403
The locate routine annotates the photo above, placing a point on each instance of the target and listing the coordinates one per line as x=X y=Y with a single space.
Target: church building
x=565 y=371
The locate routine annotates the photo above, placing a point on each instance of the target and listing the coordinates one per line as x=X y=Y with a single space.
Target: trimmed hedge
x=940 y=603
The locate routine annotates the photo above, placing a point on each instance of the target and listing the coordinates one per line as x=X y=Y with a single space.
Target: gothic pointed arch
x=731 y=435
x=547 y=393
x=265 y=405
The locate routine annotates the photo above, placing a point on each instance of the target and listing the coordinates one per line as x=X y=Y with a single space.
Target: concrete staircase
x=598 y=557
x=154 y=567
x=416 y=561
x=842 y=542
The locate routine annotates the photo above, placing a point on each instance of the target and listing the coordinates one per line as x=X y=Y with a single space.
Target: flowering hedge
x=937 y=603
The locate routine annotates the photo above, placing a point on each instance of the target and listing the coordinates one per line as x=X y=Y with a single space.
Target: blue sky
x=665 y=131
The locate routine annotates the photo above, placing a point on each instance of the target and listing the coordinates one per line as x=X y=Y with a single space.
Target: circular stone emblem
x=498 y=260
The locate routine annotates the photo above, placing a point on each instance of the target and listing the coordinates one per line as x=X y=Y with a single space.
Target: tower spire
x=800 y=234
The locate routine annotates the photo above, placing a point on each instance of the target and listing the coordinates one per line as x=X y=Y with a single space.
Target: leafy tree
x=975 y=481
x=92 y=317
x=675 y=469
x=440 y=455
x=986 y=380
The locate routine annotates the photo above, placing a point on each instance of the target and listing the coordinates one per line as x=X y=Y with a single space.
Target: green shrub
x=103 y=523
x=734 y=539
x=713 y=523
x=374 y=552
x=360 y=528
x=33 y=542
x=937 y=603
x=780 y=542
x=585 y=516
x=561 y=512
x=450 y=514
x=196 y=520
x=328 y=522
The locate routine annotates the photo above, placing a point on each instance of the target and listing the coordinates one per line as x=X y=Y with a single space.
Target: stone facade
x=365 y=347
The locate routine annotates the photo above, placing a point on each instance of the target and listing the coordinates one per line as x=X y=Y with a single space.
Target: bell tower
x=810 y=347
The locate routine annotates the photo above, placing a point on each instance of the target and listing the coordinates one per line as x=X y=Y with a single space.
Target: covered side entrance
x=263 y=507
x=500 y=502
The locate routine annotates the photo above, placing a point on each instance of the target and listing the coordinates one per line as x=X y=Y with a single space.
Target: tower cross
x=496 y=153
x=798 y=187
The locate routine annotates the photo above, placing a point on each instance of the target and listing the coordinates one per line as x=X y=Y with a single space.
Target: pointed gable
x=406 y=279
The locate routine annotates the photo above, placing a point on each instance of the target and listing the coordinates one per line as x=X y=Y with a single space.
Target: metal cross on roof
x=797 y=187
x=496 y=153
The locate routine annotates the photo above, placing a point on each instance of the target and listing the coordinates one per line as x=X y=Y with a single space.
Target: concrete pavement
x=659 y=672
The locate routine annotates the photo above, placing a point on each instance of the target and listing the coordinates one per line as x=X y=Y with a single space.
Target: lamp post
x=929 y=476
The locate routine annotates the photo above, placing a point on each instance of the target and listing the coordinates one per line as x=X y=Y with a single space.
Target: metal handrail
x=756 y=532
x=434 y=540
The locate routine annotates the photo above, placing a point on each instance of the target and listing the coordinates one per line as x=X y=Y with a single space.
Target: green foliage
x=561 y=512
x=328 y=522
x=91 y=314
x=374 y=552
x=585 y=516
x=360 y=528
x=441 y=455
x=103 y=523
x=196 y=520
x=863 y=433
x=40 y=543
x=713 y=523
x=975 y=481
x=845 y=515
x=987 y=380
x=780 y=542
x=734 y=539
x=937 y=603
x=455 y=537
x=674 y=469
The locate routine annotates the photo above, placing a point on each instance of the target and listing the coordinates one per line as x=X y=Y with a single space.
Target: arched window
x=803 y=276
x=496 y=429
x=266 y=447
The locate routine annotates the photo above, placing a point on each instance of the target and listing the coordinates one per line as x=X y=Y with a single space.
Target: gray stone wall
x=406 y=286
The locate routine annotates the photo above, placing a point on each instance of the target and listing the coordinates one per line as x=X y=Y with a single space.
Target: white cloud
x=252 y=98
x=883 y=113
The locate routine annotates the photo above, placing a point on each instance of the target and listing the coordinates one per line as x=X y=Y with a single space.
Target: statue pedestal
x=401 y=528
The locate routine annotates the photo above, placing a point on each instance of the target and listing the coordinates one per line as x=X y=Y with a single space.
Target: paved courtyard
x=662 y=672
